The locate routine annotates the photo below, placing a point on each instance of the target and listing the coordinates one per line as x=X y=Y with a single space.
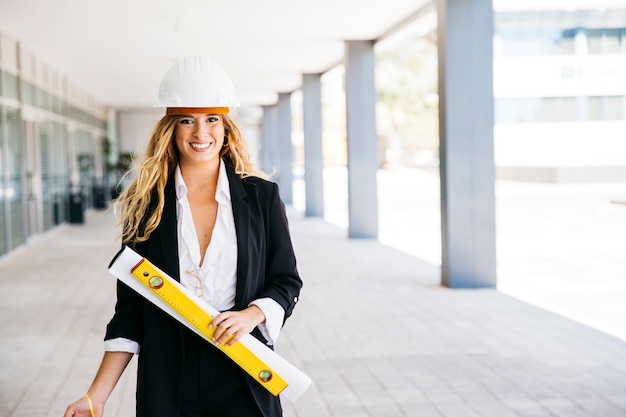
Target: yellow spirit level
x=263 y=364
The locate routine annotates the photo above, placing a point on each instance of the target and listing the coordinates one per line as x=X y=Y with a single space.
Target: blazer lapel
x=167 y=230
x=241 y=214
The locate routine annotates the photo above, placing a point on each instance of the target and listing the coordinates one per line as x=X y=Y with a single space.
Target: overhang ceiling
x=118 y=50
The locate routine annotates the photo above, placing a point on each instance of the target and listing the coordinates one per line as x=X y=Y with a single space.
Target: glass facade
x=38 y=153
x=86 y=158
x=573 y=60
x=560 y=32
x=14 y=185
x=54 y=178
x=4 y=219
x=559 y=109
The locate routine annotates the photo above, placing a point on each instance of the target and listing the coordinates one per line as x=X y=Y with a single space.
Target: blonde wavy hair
x=140 y=206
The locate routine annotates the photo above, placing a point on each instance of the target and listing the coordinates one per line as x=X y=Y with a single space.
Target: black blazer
x=266 y=267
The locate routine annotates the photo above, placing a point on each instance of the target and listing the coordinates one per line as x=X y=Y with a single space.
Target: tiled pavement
x=374 y=330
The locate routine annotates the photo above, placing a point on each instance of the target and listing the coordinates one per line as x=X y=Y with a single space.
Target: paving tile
x=374 y=330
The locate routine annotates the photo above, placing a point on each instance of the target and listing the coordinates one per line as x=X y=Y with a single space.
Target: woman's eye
x=186 y=122
x=213 y=119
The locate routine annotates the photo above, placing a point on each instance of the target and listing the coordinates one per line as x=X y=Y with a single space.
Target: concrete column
x=581 y=48
x=362 y=140
x=581 y=42
x=313 y=158
x=465 y=33
x=112 y=136
x=268 y=140
x=285 y=163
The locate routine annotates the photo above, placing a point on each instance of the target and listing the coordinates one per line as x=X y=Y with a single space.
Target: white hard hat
x=196 y=83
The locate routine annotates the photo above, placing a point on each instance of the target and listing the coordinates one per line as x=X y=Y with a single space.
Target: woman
x=199 y=211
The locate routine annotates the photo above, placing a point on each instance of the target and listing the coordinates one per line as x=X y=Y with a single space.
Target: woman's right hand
x=80 y=408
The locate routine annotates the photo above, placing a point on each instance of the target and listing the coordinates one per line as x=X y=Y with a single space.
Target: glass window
x=56 y=105
x=615 y=108
x=566 y=46
x=46 y=100
x=549 y=109
x=559 y=109
x=596 y=40
x=605 y=41
x=595 y=108
x=59 y=182
x=529 y=41
x=9 y=86
x=569 y=109
x=14 y=184
x=518 y=110
x=40 y=99
x=3 y=190
x=46 y=177
x=612 y=41
x=27 y=93
x=86 y=153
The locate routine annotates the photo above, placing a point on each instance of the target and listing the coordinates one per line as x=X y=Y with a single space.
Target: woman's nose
x=201 y=129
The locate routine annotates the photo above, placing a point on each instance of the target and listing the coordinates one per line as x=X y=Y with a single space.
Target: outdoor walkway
x=374 y=330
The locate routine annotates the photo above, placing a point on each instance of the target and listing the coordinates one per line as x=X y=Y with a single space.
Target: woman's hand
x=111 y=368
x=230 y=326
x=81 y=408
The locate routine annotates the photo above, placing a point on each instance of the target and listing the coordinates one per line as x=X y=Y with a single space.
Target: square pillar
x=313 y=158
x=465 y=38
x=362 y=140
x=285 y=148
x=268 y=140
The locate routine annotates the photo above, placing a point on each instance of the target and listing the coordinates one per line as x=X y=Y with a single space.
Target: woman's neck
x=200 y=176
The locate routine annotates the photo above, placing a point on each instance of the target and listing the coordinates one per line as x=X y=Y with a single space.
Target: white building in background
x=560 y=93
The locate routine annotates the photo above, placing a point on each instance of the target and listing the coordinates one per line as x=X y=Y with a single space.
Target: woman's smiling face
x=199 y=138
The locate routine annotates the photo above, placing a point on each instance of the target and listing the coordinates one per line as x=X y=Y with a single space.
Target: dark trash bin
x=77 y=208
x=99 y=197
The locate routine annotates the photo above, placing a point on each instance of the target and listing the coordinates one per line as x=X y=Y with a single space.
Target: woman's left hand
x=230 y=326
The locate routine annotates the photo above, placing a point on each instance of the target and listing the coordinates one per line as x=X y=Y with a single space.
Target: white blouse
x=215 y=280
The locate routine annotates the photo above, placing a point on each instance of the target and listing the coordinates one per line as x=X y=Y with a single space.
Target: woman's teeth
x=200 y=145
